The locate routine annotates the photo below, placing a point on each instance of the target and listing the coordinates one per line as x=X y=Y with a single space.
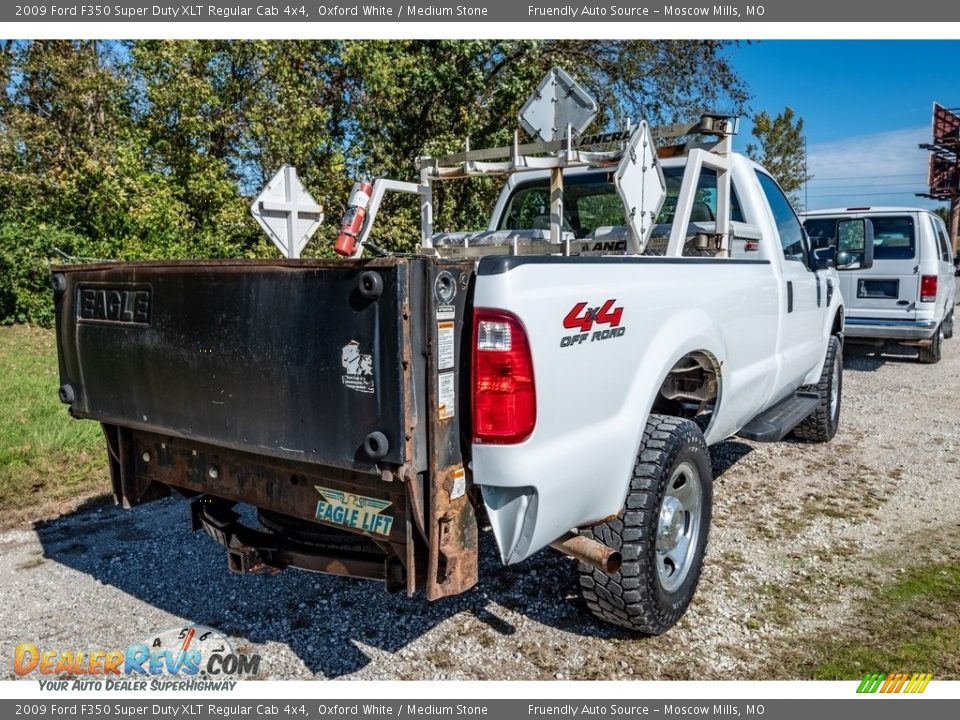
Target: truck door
x=803 y=294
x=822 y=232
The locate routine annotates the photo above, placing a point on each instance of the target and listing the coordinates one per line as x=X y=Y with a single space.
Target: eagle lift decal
x=354 y=511
x=586 y=319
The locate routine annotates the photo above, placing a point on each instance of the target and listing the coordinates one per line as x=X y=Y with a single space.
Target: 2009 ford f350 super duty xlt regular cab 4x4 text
x=558 y=375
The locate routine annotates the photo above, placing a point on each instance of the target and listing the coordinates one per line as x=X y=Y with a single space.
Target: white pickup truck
x=558 y=375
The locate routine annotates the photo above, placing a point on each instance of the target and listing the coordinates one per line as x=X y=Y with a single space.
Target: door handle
x=789 y=296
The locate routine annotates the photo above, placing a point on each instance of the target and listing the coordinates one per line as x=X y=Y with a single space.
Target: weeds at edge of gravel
x=912 y=625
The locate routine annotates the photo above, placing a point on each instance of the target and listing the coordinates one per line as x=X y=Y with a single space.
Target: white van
x=896 y=274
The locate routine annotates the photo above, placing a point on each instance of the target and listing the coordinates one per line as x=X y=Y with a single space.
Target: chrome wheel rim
x=678 y=526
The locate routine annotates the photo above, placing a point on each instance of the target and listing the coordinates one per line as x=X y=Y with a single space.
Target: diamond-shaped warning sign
x=559 y=100
x=287 y=212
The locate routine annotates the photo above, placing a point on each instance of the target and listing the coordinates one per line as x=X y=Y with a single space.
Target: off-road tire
x=948 y=325
x=931 y=353
x=635 y=597
x=821 y=425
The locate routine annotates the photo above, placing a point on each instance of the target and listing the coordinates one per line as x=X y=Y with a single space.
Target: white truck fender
x=531 y=496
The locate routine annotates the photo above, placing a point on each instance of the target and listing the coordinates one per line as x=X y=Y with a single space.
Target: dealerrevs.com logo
x=186 y=658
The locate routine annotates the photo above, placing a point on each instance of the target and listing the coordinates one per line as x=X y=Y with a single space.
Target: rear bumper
x=888 y=329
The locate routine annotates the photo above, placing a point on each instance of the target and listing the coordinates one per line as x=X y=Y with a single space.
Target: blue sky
x=866 y=105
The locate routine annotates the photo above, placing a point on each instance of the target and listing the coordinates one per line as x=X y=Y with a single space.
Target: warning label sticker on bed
x=445 y=343
x=459 y=484
x=446 y=397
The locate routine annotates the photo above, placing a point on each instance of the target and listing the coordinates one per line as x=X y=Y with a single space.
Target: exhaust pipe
x=589 y=551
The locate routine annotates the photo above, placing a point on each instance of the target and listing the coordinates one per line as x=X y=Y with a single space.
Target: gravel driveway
x=801 y=534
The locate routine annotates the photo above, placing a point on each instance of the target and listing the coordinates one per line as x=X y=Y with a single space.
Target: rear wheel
x=948 y=326
x=932 y=352
x=821 y=425
x=661 y=532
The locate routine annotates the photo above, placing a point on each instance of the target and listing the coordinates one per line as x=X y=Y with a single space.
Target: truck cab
x=896 y=274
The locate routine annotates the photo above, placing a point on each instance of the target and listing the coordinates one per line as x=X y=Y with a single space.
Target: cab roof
x=857 y=209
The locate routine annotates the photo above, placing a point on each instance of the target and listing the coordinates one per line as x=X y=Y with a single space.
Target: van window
x=942 y=241
x=788 y=225
x=894 y=238
x=822 y=231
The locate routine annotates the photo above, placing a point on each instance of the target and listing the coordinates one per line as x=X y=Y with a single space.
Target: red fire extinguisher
x=352 y=221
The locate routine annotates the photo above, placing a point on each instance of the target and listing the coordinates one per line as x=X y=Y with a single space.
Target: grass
x=912 y=625
x=48 y=460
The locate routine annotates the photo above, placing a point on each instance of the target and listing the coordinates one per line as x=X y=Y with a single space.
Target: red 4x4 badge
x=606 y=314
x=584 y=319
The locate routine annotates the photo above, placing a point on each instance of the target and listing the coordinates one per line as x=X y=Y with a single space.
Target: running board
x=774 y=423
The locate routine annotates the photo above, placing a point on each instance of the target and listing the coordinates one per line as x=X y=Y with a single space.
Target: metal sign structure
x=946 y=126
x=287 y=212
x=942 y=177
x=641 y=185
x=558 y=102
x=944 y=173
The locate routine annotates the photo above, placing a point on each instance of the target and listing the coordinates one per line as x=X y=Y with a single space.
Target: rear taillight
x=928 y=288
x=504 y=393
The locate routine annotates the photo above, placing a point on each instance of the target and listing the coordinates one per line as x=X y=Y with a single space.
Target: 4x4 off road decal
x=354 y=511
x=589 y=319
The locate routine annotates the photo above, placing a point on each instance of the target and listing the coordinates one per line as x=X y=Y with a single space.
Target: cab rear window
x=590 y=201
x=894 y=237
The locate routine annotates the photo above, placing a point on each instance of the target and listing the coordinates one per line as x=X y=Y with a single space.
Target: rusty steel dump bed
x=327 y=394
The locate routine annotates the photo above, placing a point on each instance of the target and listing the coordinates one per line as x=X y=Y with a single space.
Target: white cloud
x=885 y=168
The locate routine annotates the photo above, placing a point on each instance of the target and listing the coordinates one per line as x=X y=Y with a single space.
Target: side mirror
x=854 y=244
x=824 y=257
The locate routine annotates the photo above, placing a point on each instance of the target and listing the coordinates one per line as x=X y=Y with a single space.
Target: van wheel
x=821 y=425
x=931 y=353
x=948 y=326
x=661 y=532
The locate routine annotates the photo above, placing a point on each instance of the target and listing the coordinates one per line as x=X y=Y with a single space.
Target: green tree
x=72 y=173
x=222 y=116
x=782 y=150
x=150 y=148
x=412 y=98
x=71 y=154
